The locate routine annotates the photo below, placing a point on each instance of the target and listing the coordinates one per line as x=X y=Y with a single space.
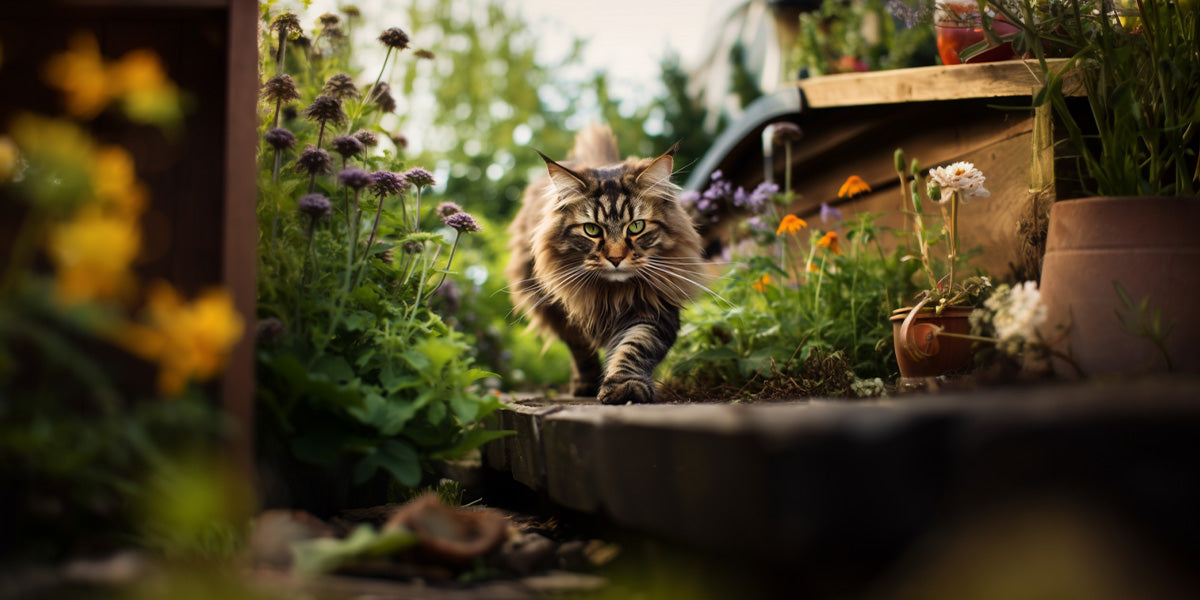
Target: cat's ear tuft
x=659 y=171
x=564 y=179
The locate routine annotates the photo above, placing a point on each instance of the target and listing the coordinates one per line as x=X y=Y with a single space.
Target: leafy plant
x=1138 y=65
x=353 y=365
x=791 y=301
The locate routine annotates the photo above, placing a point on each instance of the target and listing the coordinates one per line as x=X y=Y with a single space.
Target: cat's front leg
x=632 y=357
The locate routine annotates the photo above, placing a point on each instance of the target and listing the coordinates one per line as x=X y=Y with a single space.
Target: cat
x=604 y=256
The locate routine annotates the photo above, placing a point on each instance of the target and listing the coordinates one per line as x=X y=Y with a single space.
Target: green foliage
x=846 y=36
x=1141 y=75
x=1139 y=320
x=793 y=305
x=356 y=366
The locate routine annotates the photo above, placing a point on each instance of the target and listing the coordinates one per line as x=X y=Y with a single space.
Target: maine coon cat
x=604 y=257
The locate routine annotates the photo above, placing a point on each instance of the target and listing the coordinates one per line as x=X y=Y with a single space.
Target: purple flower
x=718 y=190
x=394 y=37
x=280 y=88
x=316 y=206
x=716 y=175
x=367 y=138
x=354 y=178
x=756 y=223
x=326 y=109
x=279 y=138
x=757 y=200
x=419 y=177
x=462 y=221
x=347 y=145
x=705 y=205
x=314 y=161
x=829 y=213
x=446 y=209
x=386 y=183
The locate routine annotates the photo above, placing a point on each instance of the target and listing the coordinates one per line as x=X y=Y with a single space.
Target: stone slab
x=852 y=478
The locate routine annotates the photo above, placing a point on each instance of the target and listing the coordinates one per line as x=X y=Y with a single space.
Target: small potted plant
x=932 y=337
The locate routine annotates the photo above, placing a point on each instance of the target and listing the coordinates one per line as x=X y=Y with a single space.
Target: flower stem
x=370 y=242
x=445 y=271
x=417 y=211
x=370 y=92
x=953 y=237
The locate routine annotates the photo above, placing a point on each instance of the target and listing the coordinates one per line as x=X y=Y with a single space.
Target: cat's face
x=614 y=223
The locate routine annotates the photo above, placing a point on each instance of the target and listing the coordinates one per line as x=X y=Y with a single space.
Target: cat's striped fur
x=603 y=256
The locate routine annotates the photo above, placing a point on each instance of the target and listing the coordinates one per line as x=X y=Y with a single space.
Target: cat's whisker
x=560 y=286
x=514 y=284
x=545 y=288
x=706 y=289
x=654 y=280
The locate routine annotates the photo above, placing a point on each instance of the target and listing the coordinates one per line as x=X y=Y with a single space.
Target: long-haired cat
x=603 y=256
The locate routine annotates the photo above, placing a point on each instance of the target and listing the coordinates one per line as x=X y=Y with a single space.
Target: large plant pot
x=1151 y=245
x=921 y=351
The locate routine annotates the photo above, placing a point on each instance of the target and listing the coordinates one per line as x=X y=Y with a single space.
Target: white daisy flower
x=1018 y=314
x=962 y=177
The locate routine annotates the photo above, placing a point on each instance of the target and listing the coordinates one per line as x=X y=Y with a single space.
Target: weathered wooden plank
x=925 y=84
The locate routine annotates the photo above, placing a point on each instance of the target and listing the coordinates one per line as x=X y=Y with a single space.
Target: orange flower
x=790 y=224
x=812 y=267
x=854 y=186
x=762 y=283
x=830 y=240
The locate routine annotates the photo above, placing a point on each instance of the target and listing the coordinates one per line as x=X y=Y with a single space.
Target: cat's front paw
x=637 y=391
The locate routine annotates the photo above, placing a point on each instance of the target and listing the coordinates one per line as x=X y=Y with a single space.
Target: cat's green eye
x=637 y=226
x=592 y=229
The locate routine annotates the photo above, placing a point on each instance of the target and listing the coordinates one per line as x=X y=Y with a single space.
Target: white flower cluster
x=962 y=177
x=868 y=388
x=1018 y=312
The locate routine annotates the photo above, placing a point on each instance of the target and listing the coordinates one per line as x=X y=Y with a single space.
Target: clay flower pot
x=1146 y=243
x=920 y=349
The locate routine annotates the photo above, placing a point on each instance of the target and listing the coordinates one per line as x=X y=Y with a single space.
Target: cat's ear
x=565 y=180
x=660 y=169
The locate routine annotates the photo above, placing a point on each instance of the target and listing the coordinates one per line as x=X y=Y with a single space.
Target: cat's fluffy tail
x=595 y=145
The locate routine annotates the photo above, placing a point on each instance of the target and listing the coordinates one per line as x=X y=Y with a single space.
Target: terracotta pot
x=1148 y=244
x=921 y=352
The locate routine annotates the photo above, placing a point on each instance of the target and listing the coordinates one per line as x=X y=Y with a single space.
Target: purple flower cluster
x=419 y=177
x=721 y=195
x=355 y=178
x=462 y=221
x=386 y=183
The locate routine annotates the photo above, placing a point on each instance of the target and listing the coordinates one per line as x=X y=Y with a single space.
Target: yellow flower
x=854 y=186
x=189 y=341
x=91 y=255
x=790 y=224
x=80 y=73
x=762 y=283
x=114 y=181
x=148 y=96
x=10 y=158
x=830 y=241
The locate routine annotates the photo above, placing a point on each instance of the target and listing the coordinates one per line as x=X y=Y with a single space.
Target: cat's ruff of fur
x=619 y=289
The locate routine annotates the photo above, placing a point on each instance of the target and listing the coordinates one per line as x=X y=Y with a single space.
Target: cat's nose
x=616 y=260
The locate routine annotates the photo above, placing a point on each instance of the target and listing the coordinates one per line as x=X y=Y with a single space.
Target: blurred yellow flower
x=115 y=183
x=89 y=84
x=91 y=254
x=790 y=224
x=80 y=73
x=189 y=341
x=854 y=186
x=762 y=283
x=830 y=241
x=812 y=267
x=148 y=96
x=10 y=159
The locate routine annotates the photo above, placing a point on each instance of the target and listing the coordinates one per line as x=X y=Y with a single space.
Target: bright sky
x=627 y=38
